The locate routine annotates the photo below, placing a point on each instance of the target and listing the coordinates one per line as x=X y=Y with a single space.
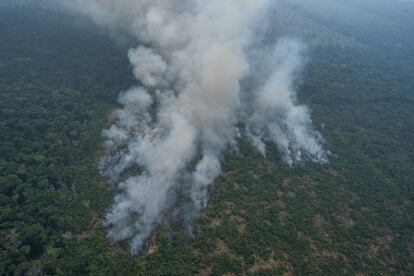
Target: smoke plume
x=190 y=105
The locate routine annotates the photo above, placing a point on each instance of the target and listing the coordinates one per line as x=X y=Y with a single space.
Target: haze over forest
x=186 y=137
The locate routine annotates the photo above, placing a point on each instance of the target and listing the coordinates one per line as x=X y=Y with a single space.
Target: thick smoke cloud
x=276 y=117
x=189 y=105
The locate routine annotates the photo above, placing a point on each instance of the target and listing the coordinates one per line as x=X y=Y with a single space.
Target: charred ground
x=58 y=83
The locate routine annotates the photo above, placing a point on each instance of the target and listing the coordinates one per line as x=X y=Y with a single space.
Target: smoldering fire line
x=175 y=125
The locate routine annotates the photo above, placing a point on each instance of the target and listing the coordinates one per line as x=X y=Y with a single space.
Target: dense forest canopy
x=60 y=77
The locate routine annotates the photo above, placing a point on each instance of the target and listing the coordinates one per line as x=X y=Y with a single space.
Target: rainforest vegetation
x=59 y=81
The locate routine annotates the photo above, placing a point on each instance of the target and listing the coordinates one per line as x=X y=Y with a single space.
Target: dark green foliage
x=55 y=93
x=353 y=215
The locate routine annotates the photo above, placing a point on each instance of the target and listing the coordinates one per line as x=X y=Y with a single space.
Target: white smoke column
x=276 y=117
x=175 y=125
